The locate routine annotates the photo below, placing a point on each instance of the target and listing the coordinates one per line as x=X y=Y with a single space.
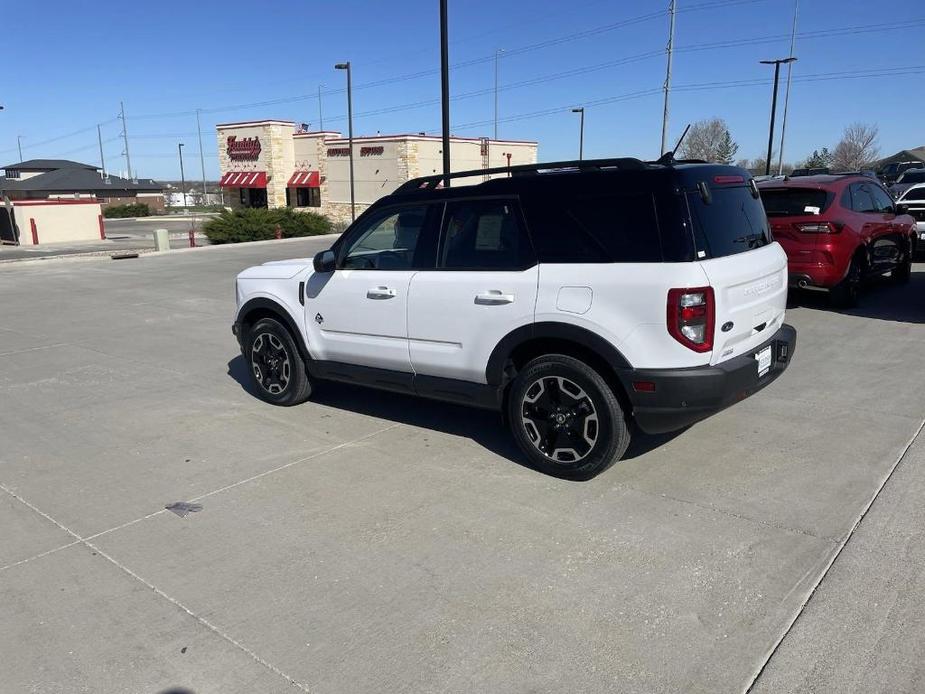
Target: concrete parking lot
x=370 y=542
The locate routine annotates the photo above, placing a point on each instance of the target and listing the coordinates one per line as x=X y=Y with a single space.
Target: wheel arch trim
x=277 y=310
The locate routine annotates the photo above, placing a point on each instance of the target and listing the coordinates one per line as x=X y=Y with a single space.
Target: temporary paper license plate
x=764 y=361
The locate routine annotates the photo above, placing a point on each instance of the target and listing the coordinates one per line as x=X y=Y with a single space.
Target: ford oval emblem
x=727 y=326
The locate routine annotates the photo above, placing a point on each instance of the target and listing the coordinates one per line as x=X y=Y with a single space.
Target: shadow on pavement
x=484 y=427
x=881 y=300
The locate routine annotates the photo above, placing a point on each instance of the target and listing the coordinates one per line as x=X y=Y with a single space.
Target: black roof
x=48 y=165
x=79 y=180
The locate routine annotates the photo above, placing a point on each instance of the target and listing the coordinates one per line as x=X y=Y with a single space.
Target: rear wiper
x=753 y=240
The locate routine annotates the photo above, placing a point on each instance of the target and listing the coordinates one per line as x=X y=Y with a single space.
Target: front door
x=484 y=287
x=357 y=314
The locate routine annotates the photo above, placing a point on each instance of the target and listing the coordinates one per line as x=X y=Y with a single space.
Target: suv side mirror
x=325 y=261
x=901 y=208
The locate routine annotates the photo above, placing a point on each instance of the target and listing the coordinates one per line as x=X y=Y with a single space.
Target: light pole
x=182 y=175
x=445 y=90
x=776 y=63
x=346 y=66
x=783 y=123
x=320 y=115
x=19 y=145
x=498 y=53
x=581 y=132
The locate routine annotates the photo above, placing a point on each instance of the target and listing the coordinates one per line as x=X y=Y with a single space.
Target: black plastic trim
x=278 y=312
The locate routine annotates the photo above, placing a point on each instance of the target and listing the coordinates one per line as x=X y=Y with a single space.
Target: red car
x=838 y=230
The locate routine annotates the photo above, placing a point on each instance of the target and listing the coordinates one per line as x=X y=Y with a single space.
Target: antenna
x=668 y=156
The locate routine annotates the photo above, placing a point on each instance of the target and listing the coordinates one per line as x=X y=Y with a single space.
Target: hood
x=277 y=269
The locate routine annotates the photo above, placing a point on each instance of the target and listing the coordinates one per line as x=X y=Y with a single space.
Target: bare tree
x=709 y=140
x=857 y=149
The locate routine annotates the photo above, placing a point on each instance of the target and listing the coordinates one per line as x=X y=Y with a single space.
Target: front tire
x=277 y=369
x=566 y=418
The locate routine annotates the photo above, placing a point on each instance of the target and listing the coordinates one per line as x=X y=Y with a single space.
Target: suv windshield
x=917 y=194
x=732 y=222
x=793 y=202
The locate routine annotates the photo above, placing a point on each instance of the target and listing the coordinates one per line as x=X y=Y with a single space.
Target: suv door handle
x=494 y=297
x=380 y=293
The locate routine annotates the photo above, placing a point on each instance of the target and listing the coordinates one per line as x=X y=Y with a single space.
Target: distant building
x=915 y=154
x=272 y=163
x=44 y=179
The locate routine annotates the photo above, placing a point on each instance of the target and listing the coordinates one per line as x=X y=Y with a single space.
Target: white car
x=578 y=298
x=913 y=202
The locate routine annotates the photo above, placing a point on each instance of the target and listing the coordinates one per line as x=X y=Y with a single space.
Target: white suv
x=577 y=298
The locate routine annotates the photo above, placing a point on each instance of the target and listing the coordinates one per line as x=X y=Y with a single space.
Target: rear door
x=484 y=286
x=745 y=267
x=880 y=234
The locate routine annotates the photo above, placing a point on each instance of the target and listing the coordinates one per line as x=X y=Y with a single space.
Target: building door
x=8 y=225
x=257 y=197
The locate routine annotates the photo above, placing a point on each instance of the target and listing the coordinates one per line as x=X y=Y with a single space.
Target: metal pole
x=19 y=145
x=581 y=132
x=346 y=66
x=128 y=158
x=767 y=166
x=99 y=136
x=445 y=89
x=182 y=175
x=202 y=161
x=783 y=123
x=667 y=87
x=498 y=53
x=320 y=116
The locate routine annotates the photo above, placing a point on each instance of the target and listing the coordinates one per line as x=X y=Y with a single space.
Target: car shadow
x=484 y=427
x=881 y=300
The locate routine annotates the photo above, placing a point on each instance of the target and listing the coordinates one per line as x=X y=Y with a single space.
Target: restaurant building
x=274 y=163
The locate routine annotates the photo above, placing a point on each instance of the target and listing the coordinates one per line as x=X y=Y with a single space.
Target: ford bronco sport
x=578 y=298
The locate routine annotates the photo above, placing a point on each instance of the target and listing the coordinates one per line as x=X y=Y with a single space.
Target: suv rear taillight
x=819 y=227
x=692 y=317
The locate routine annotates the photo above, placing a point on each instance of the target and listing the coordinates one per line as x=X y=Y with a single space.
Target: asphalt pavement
x=371 y=542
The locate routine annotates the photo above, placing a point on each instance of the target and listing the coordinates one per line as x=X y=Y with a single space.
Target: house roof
x=79 y=180
x=48 y=165
x=916 y=153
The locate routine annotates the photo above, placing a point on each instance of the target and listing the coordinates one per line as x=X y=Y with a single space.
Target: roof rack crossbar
x=431 y=182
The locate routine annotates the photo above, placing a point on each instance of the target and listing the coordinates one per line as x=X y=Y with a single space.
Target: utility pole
x=783 y=124
x=498 y=53
x=445 y=90
x=581 y=132
x=671 y=13
x=320 y=114
x=346 y=66
x=202 y=160
x=99 y=137
x=128 y=159
x=776 y=63
x=19 y=145
x=182 y=175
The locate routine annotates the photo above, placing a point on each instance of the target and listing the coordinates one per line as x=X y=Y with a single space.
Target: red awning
x=305 y=179
x=244 y=179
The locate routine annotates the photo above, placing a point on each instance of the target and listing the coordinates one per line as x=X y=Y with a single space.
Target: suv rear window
x=794 y=202
x=913 y=176
x=732 y=222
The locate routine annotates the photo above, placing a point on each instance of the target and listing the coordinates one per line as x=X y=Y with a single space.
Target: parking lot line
x=176 y=603
x=763 y=663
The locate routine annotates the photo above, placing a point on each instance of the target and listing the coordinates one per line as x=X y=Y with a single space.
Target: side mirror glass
x=325 y=261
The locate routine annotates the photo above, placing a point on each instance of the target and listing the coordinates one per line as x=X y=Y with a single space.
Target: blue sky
x=69 y=72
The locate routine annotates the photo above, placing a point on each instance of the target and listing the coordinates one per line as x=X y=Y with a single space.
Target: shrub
x=257 y=224
x=136 y=209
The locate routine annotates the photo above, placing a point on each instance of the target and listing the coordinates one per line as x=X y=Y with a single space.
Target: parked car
x=811 y=171
x=577 y=298
x=889 y=173
x=912 y=202
x=906 y=180
x=838 y=231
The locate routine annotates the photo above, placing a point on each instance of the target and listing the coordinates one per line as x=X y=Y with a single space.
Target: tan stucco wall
x=58 y=222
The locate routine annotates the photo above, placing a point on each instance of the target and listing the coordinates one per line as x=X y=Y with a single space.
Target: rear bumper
x=685 y=396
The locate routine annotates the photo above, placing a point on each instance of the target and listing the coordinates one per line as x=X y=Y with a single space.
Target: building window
x=308 y=197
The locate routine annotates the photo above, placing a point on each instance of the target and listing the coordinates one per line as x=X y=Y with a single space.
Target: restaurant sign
x=245 y=149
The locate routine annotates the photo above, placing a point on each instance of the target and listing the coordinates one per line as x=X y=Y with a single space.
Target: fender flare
x=494 y=371
x=279 y=311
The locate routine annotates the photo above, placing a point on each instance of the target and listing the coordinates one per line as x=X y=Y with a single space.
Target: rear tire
x=566 y=418
x=276 y=366
x=846 y=293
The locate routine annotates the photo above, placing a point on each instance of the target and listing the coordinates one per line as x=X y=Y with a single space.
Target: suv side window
x=881 y=199
x=484 y=235
x=393 y=239
x=558 y=238
x=861 y=199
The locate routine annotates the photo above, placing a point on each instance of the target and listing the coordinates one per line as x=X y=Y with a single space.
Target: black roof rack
x=431 y=182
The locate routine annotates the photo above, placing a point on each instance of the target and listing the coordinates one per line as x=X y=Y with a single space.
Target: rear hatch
x=745 y=267
x=790 y=210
